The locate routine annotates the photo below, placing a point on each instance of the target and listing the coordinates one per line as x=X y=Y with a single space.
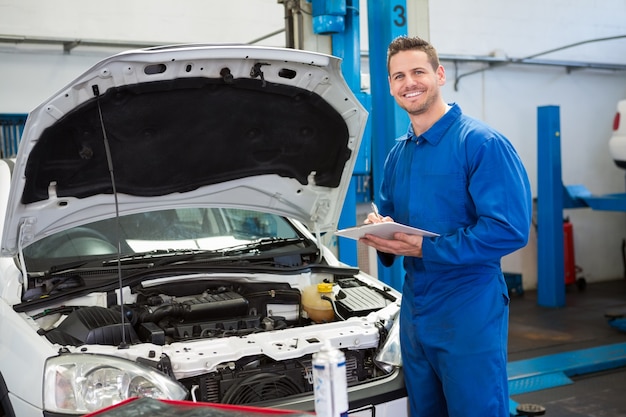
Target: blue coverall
x=465 y=181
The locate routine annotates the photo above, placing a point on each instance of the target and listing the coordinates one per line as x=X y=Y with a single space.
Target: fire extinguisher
x=568 y=252
x=571 y=269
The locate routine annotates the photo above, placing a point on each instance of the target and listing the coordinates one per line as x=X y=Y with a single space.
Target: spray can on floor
x=330 y=383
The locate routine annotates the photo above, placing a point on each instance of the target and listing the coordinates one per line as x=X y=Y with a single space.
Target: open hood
x=266 y=129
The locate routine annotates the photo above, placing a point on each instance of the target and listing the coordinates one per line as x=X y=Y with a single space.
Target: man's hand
x=376 y=218
x=402 y=244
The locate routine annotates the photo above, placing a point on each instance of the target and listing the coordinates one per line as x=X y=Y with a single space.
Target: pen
x=375 y=210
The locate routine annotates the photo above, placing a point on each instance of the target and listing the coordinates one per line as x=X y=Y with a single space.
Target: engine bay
x=181 y=311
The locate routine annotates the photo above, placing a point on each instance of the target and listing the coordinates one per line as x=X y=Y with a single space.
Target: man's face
x=413 y=82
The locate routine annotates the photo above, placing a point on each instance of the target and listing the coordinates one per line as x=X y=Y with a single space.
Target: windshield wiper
x=263 y=244
x=232 y=254
x=160 y=257
x=78 y=267
x=157 y=255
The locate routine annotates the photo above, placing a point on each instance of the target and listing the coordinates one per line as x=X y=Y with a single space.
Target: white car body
x=617 y=143
x=267 y=134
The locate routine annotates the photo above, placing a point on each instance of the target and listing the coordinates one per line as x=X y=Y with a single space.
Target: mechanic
x=458 y=177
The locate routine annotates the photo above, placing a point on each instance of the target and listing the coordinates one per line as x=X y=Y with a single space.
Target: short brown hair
x=406 y=43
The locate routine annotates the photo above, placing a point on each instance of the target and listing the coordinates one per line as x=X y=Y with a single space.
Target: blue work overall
x=465 y=181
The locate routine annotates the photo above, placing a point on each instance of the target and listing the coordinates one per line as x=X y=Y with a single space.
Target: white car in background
x=617 y=143
x=163 y=224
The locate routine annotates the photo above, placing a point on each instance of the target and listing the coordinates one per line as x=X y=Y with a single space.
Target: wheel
x=581 y=283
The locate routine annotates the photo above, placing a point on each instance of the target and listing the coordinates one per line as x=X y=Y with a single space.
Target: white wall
x=30 y=73
x=158 y=21
x=506 y=97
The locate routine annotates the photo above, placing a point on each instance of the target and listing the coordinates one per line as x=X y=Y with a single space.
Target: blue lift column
x=387 y=19
x=347 y=44
x=550 y=252
x=552 y=198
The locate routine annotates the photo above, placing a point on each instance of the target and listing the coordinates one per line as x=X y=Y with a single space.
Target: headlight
x=390 y=355
x=83 y=383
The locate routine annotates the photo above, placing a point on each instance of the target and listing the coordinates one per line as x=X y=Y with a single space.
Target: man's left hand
x=402 y=244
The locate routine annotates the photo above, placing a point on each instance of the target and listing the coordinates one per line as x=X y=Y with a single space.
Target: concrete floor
x=537 y=332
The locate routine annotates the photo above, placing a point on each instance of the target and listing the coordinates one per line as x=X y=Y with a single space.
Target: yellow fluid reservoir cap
x=325 y=287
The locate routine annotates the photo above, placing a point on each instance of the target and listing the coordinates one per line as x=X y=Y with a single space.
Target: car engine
x=198 y=310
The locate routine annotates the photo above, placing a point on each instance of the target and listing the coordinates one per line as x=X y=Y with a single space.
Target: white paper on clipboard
x=384 y=230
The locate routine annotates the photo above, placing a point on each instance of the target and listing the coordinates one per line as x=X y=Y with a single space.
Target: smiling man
x=458 y=177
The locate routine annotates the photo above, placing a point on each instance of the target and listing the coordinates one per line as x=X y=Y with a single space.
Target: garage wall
x=32 y=72
x=506 y=97
x=150 y=21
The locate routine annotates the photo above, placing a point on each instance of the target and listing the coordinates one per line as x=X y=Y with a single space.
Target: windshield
x=174 y=229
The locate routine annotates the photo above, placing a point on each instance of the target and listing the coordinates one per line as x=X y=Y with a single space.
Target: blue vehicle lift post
x=550 y=253
x=387 y=20
x=552 y=198
x=555 y=370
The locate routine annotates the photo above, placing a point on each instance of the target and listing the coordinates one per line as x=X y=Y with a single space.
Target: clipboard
x=385 y=230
